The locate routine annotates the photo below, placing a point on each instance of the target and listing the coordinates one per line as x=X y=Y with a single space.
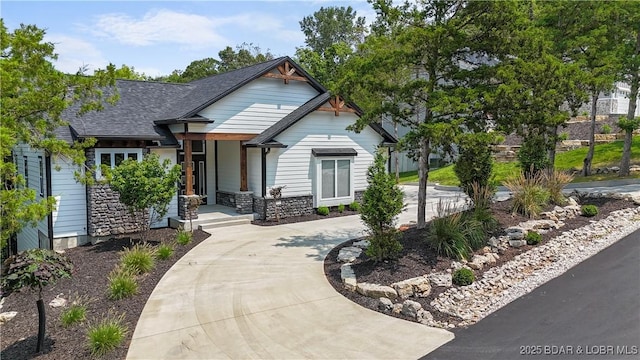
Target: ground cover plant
x=92 y=266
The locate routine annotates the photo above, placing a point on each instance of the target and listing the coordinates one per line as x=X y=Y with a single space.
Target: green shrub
x=385 y=245
x=106 y=334
x=486 y=220
x=354 y=206
x=122 y=284
x=341 y=208
x=589 y=210
x=481 y=196
x=606 y=129
x=463 y=277
x=533 y=238
x=139 y=259
x=382 y=202
x=532 y=155
x=184 y=237
x=323 y=210
x=448 y=232
x=74 y=314
x=529 y=194
x=164 y=251
x=475 y=161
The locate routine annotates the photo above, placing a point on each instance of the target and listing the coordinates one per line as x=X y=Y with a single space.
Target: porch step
x=223 y=223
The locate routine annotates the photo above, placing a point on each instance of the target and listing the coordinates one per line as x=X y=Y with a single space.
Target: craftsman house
x=236 y=134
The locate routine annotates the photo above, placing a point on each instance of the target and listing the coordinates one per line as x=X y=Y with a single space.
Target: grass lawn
x=605 y=155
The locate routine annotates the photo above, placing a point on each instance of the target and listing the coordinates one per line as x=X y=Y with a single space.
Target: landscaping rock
x=418 y=286
x=410 y=308
x=517 y=243
x=348 y=277
x=362 y=244
x=376 y=291
x=349 y=254
x=385 y=304
x=397 y=309
x=516 y=233
x=58 y=302
x=440 y=279
x=6 y=316
x=425 y=317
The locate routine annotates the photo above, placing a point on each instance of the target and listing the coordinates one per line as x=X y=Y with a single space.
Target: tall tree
x=245 y=54
x=34 y=94
x=331 y=36
x=129 y=73
x=631 y=74
x=421 y=67
x=586 y=33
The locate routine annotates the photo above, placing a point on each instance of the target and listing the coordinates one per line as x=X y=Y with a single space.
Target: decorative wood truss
x=337 y=105
x=286 y=72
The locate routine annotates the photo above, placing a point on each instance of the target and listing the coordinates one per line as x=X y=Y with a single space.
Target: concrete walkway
x=260 y=292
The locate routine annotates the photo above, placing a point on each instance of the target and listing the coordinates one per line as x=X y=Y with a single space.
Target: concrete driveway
x=260 y=292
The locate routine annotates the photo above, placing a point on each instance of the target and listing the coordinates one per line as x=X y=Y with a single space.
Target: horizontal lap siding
x=28 y=237
x=256 y=106
x=169 y=154
x=70 y=216
x=294 y=166
x=228 y=165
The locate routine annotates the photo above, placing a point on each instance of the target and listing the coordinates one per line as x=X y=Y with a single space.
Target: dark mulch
x=92 y=265
x=296 y=219
x=417 y=259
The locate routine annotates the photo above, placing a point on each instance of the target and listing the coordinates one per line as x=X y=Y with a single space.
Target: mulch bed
x=416 y=259
x=297 y=219
x=92 y=265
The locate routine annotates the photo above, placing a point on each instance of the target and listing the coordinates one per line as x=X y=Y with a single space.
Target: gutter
x=49 y=187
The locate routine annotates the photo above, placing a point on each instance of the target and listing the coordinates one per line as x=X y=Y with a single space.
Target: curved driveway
x=260 y=292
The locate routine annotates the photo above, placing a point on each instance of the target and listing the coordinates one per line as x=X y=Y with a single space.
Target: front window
x=114 y=157
x=334 y=181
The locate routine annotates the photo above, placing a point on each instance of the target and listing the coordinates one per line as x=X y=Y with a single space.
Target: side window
x=114 y=157
x=26 y=171
x=41 y=177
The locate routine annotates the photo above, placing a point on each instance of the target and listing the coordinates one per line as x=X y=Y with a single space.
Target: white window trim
x=317 y=193
x=112 y=151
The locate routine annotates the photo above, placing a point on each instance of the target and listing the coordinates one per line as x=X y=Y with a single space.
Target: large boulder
x=376 y=291
x=410 y=308
x=440 y=279
x=348 y=277
x=516 y=233
x=418 y=286
x=349 y=254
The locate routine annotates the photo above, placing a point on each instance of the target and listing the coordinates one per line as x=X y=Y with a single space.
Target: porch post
x=188 y=169
x=243 y=168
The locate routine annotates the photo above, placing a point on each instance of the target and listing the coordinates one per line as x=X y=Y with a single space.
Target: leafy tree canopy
x=34 y=95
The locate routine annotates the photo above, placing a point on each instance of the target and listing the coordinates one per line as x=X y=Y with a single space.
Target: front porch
x=213 y=216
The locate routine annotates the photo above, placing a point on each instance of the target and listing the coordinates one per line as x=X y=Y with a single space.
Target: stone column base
x=244 y=202
x=183 y=207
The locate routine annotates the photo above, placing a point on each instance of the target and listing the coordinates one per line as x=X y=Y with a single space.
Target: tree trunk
x=395 y=152
x=586 y=167
x=41 y=325
x=423 y=176
x=552 y=150
x=628 y=136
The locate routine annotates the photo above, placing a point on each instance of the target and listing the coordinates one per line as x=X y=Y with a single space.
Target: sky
x=157 y=37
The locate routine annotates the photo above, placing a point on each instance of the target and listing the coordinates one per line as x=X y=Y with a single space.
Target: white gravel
x=503 y=284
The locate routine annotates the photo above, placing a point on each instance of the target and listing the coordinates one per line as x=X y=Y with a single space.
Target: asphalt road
x=590 y=312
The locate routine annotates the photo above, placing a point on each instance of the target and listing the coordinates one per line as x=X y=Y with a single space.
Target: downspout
x=49 y=187
x=265 y=151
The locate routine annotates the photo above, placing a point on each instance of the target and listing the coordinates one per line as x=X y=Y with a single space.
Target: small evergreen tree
x=146 y=186
x=382 y=202
x=475 y=161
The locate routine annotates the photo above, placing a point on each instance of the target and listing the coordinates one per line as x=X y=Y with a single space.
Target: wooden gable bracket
x=286 y=73
x=337 y=105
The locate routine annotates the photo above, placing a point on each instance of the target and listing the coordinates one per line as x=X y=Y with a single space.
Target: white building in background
x=614 y=102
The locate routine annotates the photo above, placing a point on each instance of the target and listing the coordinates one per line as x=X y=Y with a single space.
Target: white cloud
x=74 y=53
x=160 y=26
x=264 y=24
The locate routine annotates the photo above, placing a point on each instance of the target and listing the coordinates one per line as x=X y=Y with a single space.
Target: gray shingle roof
x=145 y=107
